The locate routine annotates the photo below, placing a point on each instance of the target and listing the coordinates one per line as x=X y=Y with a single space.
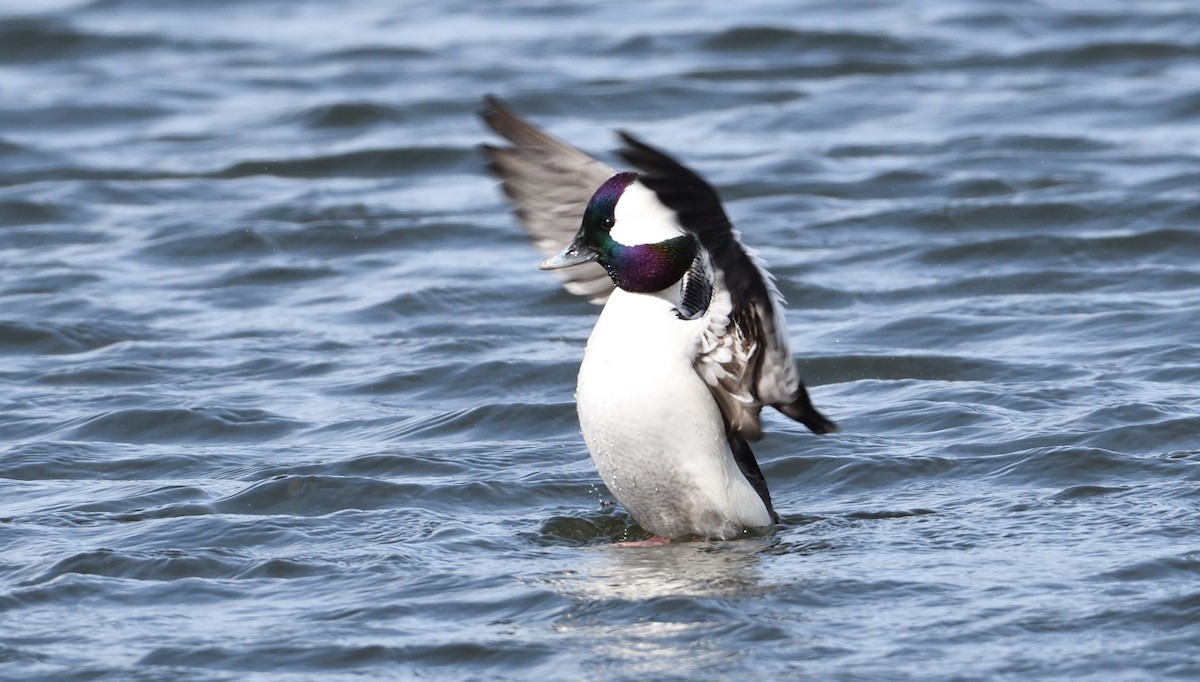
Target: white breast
x=653 y=429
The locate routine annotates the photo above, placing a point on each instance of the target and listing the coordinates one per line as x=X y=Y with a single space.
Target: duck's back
x=655 y=433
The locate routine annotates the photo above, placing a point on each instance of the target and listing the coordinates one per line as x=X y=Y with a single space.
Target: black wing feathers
x=750 y=469
x=754 y=301
x=700 y=211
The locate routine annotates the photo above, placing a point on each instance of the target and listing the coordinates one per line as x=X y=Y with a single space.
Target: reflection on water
x=701 y=569
x=657 y=611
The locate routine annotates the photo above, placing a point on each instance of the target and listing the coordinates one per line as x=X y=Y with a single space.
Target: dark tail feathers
x=801 y=409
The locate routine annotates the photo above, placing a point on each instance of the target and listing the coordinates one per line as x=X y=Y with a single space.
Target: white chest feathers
x=653 y=429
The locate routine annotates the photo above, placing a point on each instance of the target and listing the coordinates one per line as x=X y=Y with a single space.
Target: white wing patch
x=778 y=379
x=726 y=363
x=744 y=359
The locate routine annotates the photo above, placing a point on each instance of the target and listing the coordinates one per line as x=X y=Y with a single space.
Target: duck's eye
x=608 y=222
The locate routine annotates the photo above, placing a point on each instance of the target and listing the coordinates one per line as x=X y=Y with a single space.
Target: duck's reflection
x=679 y=569
x=660 y=610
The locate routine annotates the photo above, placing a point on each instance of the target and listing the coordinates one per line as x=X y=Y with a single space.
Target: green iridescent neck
x=645 y=268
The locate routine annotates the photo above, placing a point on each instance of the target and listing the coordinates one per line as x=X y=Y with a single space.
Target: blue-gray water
x=285 y=397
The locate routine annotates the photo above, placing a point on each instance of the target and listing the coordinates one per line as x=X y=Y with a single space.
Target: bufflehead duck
x=691 y=343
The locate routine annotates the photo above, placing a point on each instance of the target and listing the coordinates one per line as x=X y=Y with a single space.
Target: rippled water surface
x=286 y=398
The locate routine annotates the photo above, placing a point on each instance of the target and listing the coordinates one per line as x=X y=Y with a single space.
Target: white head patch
x=640 y=218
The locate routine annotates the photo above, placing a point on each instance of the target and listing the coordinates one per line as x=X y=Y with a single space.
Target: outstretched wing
x=746 y=359
x=550 y=183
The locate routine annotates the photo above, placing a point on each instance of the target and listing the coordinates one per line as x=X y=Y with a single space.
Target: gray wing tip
x=493 y=109
x=525 y=136
x=498 y=116
x=548 y=182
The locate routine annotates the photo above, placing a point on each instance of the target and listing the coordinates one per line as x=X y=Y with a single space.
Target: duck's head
x=633 y=235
